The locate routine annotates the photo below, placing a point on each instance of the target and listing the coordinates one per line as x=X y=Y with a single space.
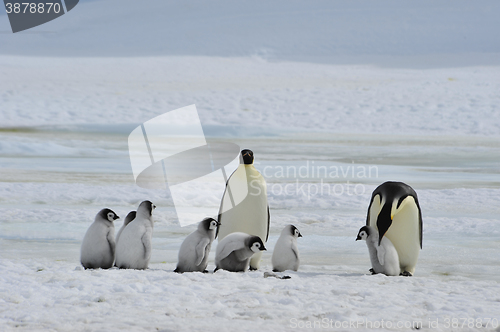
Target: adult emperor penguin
x=395 y=213
x=251 y=215
x=193 y=254
x=286 y=253
x=98 y=246
x=384 y=257
x=133 y=251
x=128 y=219
x=235 y=250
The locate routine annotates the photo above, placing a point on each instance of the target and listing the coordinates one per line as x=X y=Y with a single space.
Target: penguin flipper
x=200 y=250
x=146 y=242
x=111 y=241
x=295 y=251
x=268 y=222
x=381 y=254
x=236 y=242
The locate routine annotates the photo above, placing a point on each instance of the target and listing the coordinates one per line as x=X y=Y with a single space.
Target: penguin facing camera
x=98 y=246
x=384 y=257
x=395 y=213
x=251 y=215
x=286 y=254
x=235 y=251
x=193 y=254
x=133 y=251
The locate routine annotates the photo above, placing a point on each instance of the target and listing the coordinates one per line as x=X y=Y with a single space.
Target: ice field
x=414 y=114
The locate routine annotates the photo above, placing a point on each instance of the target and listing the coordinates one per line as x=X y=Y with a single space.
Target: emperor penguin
x=384 y=257
x=235 y=250
x=251 y=215
x=193 y=254
x=394 y=212
x=98 y=246
x=286 y=253
x=133 y=251
x=128 y=219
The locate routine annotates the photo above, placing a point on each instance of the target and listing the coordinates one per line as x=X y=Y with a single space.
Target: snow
x=249 y=93
x=370 y=92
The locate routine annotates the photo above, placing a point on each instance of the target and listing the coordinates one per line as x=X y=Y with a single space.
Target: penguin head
x=256 y=244
x=108 y=215
x=247 y=157
x=146 y=207
x=209 y=224
x=292 y=230
x=295 y=231
x=364 y=233
x=129 y=218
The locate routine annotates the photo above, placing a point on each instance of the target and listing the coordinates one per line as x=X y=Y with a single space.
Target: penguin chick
x=286 y=253
x=193 y=254
x=98 y=246
x=235 y=251
x=133 y=251
x=128 y=219
x=384 y=257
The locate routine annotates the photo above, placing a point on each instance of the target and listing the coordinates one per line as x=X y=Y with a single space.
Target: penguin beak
x=358 y=238
x=218 y=223
x=300 y=235
x=116 y=217
x=263 y=248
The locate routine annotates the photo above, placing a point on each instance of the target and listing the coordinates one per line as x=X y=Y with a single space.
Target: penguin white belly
x=404 y=234
x=251 y=215
x=284 y=258
x=130 y=251
x=96 y=251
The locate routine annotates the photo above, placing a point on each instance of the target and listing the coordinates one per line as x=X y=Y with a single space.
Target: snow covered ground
x=394 y=91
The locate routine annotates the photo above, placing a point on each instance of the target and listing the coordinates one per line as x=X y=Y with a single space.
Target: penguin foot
x=372 y=271
x=217 y=268
x=205 y=271
x=406 y=274
x=253 y=268
x=177 y=270
x=269 y=274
